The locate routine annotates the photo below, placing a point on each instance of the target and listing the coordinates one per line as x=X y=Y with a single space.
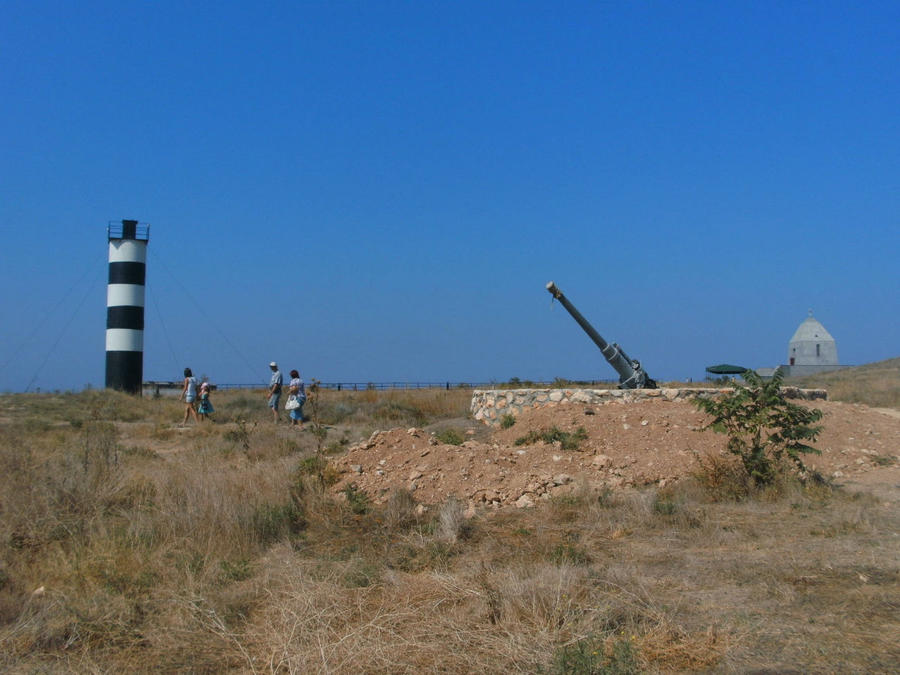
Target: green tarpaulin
x=726 y=369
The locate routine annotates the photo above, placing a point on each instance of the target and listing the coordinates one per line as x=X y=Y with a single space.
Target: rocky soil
x=627 y=445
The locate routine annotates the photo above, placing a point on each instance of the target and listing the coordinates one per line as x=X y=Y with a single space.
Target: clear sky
x=373 y=191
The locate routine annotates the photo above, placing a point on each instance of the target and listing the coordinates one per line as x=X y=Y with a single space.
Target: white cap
x=273 y=365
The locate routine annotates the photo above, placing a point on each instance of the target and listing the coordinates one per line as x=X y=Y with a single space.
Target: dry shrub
x=314 y=623
x=614 y=515
x=97 y=599
x=222 y=511
x=366 y=396
x=670 y=649
x=407 y=623
x=539 y=596
x=258 y=443
x=318 y=509
x=57 y=495
x=566 y=604
x=434 y=404
x=400 y=510
x=202 y=631
x=113 y=537
x=582 y=496
x=106 y=405
x=271 y=448
x=451 y=520
x=395 y=407
x=722 y=477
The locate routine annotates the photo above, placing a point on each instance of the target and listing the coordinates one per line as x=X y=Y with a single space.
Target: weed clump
x=357 y=500
x=591 y=656
x=568 y=553
x=318 y=466
x=451 y=521
x=449 y=437
x=664 y=506
x=238 y=570
x=400 y=510
x=240 y=435
x=568 y=440
x=399 y=411
x=722 y=477
x=272 y=522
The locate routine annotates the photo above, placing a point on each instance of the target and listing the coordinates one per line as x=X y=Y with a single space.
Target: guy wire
x=203 y=312
x=60 y=336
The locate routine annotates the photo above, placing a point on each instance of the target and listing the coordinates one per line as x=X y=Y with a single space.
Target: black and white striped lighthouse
x=125 y=305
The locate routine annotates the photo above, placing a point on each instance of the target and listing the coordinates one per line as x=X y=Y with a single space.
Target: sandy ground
x=652 y=442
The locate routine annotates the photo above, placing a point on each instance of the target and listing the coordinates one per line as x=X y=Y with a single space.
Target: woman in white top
x=189 y=394
x=297 y=390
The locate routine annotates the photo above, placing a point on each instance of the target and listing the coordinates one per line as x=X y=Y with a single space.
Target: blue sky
x=376 y=191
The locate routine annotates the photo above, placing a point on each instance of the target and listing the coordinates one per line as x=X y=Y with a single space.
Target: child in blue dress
x=205 y=406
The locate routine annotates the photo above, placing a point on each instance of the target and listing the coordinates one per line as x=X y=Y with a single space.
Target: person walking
x=296 y=392
x=274 y=391
x=189 y=394
x=206 y=406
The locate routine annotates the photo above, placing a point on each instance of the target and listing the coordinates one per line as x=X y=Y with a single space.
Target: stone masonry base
x=490 y=405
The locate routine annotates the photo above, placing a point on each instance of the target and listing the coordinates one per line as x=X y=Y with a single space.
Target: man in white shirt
x=274 y=392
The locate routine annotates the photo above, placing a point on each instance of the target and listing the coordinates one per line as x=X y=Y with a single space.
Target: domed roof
x=811 y=331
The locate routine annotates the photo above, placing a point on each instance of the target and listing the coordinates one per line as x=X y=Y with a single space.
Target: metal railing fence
x=156 y=386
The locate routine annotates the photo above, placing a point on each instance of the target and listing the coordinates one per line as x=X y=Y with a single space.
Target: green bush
x=568 y=440
x=449 y=437
x=337 y=446
x=664 y=506
x=357 y=500
x=591 y=657
x=311 y=466
x=319 y=467
x=361 y=573
x=507 y=420
x=763 y=428
x=236 y=571
x=271 y=522
x=569 y=554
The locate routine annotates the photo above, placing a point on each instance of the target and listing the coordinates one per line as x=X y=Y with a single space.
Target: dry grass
x=394 y=408
x=129 y=545
x=874 y=384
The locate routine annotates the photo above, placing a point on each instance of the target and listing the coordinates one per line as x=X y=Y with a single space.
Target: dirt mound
x=623 y=445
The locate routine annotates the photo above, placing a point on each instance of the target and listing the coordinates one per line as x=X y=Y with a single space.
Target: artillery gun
x=631 y=373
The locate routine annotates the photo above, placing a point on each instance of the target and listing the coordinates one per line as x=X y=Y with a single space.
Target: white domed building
x=811 y=350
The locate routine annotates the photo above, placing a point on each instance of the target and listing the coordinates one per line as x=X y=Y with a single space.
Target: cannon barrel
x=631 y=373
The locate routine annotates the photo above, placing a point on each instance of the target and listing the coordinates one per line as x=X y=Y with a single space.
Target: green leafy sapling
x=762 y=426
